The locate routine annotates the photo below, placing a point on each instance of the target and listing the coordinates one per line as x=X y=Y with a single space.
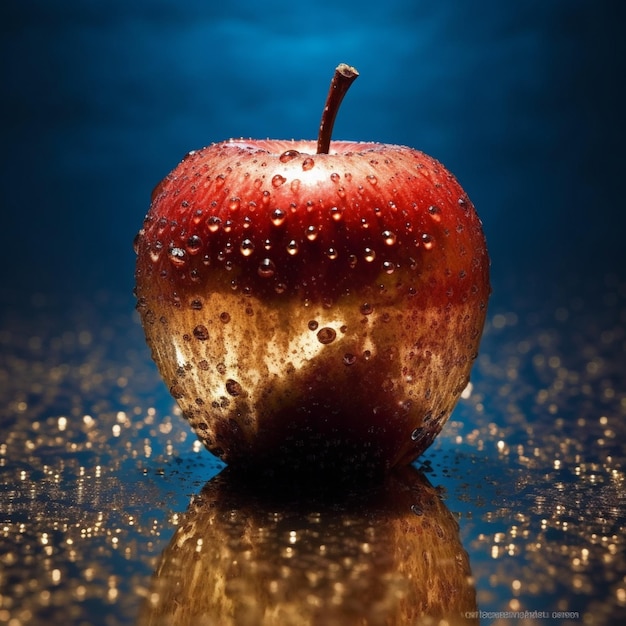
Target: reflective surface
x=112 y=513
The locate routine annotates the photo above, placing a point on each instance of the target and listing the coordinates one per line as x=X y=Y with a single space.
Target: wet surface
x=108 y=502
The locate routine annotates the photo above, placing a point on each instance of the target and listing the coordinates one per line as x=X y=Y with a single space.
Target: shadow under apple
x=251 y=553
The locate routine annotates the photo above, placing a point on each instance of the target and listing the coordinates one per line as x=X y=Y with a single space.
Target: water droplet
x=234 y=203
x=311 y=233
x=367 y=355
x=341 y=192
x=388 y=267
x=352 y=261
x=220 y=179
x=336 y=213
x=196 y=305
x=266 y=268
x=435 y=212
x=278 y=180
x=349 y=359
x=221 y=368
x=203 y=365
x=335 y=177
x=389 y=237
x=194 y=243
x=369 y=255
x=258 y=183
x=308 y=164
x=313 y=325
x=364 y=223
x=267 y=244
x=136 y=241
x=295 y=185
x=265 y=199
x=416 y=509
x=280 y=288
x=225 y=317
x=332 y=253
x=326 y=335
x=213 y=223
x=427 y=241
x=149 y=316
x=371 y=179
x=366 y=308
x=416 y=434
x=247 y=247
x=288 y=155
x=233 y=387
x=177 y=392
x=177 y=256
x=292 y=247
x=278 y=217
x=201 y=332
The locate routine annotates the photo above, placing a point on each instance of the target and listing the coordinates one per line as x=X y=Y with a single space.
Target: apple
x=383 y=554
x=313 y=304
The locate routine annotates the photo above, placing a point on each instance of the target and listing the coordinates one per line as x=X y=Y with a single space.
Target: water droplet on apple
x=278 y=180
x=201 y=332
x=177 y=392
x=213 y=223
x=224 y=317
x=332 y=253
x=177 y=256
x=247 y=247
x=427 y=241
x=352 y=261
x=415 y=435
x=233 y=387
x=349 y=359
x=389 y=237
x=308 y=164
x=313 y=325
x=196 y=304
x=280 y=288
x=220 y=179
x=136 y=241
x=311 y=233
x=326 y=335
x=371 y=179
x=389 y=267
x=295 y=185
x=292 y=247
x=267 y=268
x=149 y=316
x=435 y=212
x=366 y=308
x=265 y=198
x=288 y=155
x=194 y=243
x=369 y=255
x=367 y=355
x=335 y=177
x=336 y=213
x=278 y=217
x=341 y=192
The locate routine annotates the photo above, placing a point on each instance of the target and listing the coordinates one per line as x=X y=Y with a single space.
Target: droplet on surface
x=311 y=233
x=332 y=253
x=336 y=213
x=278 y=217
x=225 y=317
x=427 y=241
x=371 y=179
x=389 y=237
x=201 y=332
x=366 y=308
x=349 y=358
x=308 y=164
x=416 y=434
x=389 y=267
x=278 y=180
x=213 y=223
x=267 y=267
x=369 y=255
x=177 y=256
x=196 y=304
x=234 y=203
x=313 y=325
x=194 y=243
x=233 y=387
x=326 y=335
x=335 y=177
x=288 y=155
x=292 y=247
x=247 y=247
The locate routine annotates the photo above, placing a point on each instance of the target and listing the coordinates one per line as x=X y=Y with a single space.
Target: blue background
x=521 y=100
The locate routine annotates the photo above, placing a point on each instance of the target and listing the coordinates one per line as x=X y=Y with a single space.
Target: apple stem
x=344 y=76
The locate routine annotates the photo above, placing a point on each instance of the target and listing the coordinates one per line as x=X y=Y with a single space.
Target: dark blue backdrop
x=101 y=99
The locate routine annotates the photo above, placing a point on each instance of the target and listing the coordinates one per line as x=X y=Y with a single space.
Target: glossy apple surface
x=313 y=309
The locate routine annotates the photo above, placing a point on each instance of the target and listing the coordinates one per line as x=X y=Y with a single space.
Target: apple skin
x=313 y=310
x=388 y=554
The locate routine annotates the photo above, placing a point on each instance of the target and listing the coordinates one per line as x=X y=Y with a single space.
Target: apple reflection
x=251 y=554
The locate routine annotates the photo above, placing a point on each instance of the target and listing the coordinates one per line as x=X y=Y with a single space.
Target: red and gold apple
x=313 y=304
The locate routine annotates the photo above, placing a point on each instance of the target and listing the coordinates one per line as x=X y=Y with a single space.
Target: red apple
x=313 y=305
